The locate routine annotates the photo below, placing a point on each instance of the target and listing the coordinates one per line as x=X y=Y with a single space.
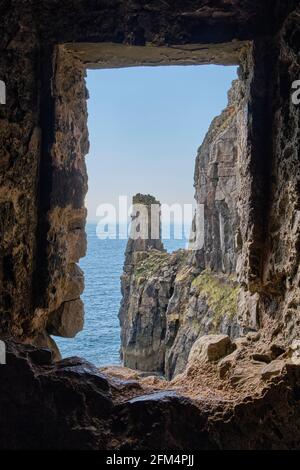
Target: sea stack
x=145 y=231
x=137 y=327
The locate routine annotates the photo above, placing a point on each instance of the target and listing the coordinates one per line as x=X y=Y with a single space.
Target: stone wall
x=269 y=262
x=43 y=188
x=43 y=183
x=44 y=47
x=281 y=276
x=20 y=149
x=63 y=201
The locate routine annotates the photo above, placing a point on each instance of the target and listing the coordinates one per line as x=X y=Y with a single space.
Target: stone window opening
x=71 y=116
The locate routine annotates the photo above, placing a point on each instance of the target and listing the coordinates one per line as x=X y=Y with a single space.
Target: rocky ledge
x=72 y=405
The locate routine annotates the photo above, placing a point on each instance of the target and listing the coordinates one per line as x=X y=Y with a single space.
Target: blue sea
x=99 y=342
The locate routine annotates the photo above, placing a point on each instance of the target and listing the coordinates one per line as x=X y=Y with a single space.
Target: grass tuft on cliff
x=156 y=261
x=220 y=292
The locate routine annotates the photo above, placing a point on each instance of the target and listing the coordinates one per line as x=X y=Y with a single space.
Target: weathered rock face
x=143 y=315
x=167 y=305
x=167 y=301
x=54 y=406
x=201 y=304
x=216 y=184
x=44 y=48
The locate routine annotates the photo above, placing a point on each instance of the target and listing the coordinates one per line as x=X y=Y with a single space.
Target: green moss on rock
x=155 y=261
x=220 y=292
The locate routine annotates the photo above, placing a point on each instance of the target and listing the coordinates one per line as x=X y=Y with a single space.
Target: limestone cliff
x=169 y=300
x=248 y=399
x=217 y=186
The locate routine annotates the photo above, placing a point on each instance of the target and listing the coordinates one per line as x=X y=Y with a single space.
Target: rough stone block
x=211 y=348
x=68 y=320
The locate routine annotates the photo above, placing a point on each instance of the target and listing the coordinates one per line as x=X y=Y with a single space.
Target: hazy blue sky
x=146 y=124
